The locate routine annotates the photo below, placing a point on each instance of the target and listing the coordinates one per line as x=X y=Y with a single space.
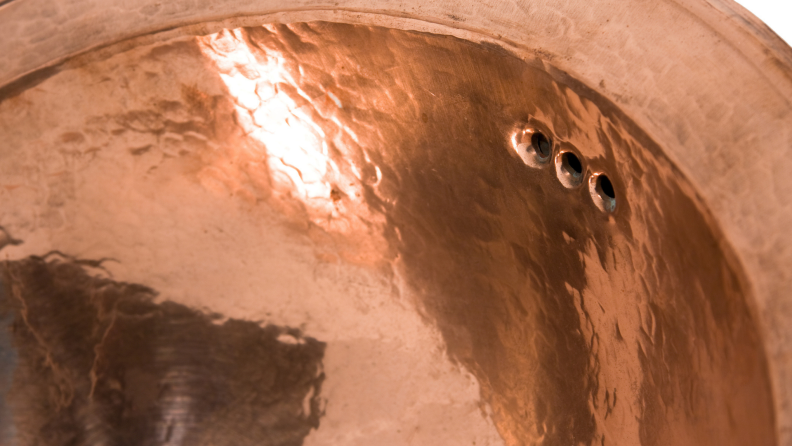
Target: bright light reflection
x=295 y=146
x=281 y=118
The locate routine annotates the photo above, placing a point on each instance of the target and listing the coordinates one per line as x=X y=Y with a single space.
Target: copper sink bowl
x=506 y=223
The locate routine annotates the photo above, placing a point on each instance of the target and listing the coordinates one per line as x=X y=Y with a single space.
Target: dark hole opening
x=606 y=186
x=541 y=145
x=573 y=162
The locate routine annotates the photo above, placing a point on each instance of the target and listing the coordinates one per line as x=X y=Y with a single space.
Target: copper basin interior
x=343 y=234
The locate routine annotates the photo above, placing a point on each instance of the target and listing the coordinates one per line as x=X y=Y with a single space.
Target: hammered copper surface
x=577 y=323
x=100 y=363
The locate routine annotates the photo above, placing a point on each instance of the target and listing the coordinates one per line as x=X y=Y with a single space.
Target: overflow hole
x=602 y=192
x=541 y=145
x=605 y=186
x=572 y=163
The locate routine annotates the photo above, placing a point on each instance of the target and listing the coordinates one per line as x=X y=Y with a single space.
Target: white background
x=777 y=14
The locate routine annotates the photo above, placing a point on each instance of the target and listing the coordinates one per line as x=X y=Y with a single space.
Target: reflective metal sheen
x=584 y=321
